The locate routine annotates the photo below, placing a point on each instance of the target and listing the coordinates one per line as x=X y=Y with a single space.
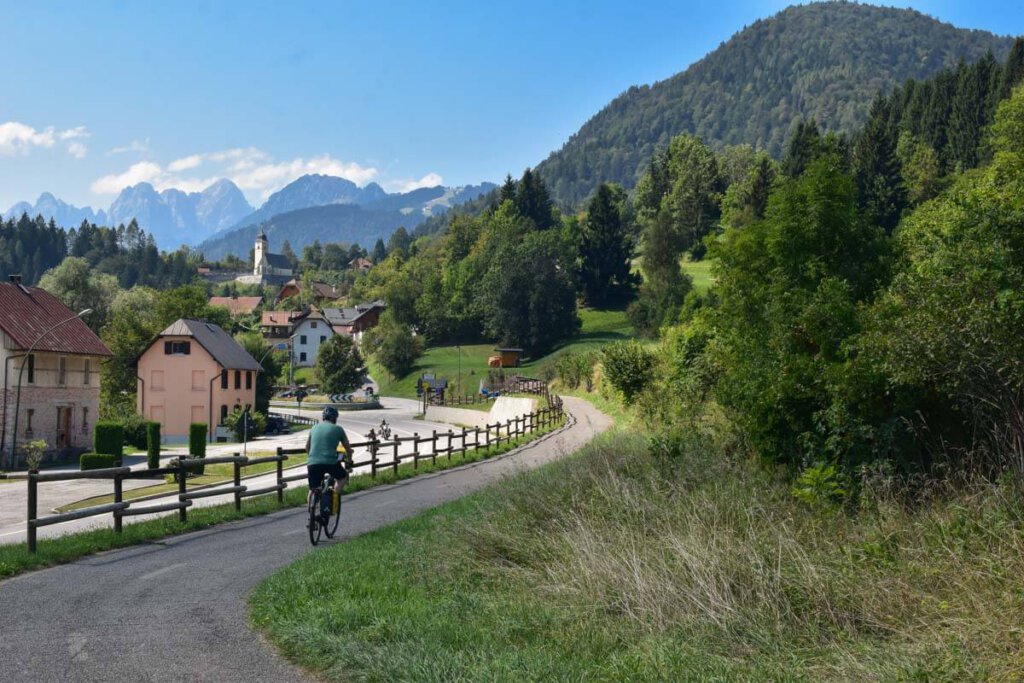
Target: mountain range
x=330 y=209
x=174 y=217
x=824 y=60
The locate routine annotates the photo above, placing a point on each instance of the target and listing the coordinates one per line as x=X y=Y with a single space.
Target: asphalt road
x=175 y=610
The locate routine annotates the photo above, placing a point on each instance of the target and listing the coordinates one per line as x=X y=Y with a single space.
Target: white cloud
x=144 y=171
x=19 y=139
x=252 y=169
x=429 y=180
x=138 y=146
x=185 y=163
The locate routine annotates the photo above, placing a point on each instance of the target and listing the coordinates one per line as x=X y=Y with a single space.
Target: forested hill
x=824 y=60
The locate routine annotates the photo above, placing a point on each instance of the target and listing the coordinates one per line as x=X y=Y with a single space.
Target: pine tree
x=881 y=193
x=604 y=245
x=1013 y=70
x=379 y=252
x=804 y=146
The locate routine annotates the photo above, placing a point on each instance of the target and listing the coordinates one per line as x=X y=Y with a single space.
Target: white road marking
x=160 y=572
x=293 y=532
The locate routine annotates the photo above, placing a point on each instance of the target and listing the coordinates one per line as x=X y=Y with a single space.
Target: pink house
x=194 y=372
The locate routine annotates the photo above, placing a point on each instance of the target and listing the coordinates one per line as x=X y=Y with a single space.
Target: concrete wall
x=459 y=416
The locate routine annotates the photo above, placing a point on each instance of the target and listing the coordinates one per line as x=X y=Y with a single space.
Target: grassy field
x=599 y=327
x=15 y=558
x=700 y=273
x=640 y=561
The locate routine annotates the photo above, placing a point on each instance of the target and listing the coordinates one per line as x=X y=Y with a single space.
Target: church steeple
x=259 y=266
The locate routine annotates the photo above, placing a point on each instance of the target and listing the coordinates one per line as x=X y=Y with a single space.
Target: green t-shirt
x=323 y=443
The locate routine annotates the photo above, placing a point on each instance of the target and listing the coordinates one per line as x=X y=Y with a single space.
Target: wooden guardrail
x=379 y=455
x=513 y=385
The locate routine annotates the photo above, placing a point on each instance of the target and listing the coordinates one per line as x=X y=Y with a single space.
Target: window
x=198 y=380
x=224 y=379
x=248 y=379
x=85 y=418
x=31 y=414
x=238 y=379
x=302 y=339
x=86 y=373
x=312 y=325
x=177 y=348
x=223 y=414
x=32 y=368
x=322 y=339
x=62 y=371
x=302 y=357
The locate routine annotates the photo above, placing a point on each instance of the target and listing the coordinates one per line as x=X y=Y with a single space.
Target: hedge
x=98 y=461
x=108 y=438
x=152 y=445
x=197 y=444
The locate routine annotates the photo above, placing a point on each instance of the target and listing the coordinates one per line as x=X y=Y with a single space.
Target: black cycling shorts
x=316 y=473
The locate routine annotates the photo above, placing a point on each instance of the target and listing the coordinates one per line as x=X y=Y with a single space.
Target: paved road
x=175 y=610
x=399 y=413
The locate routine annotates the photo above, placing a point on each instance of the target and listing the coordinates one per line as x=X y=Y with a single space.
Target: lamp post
x=459 y=347
x=21 y=372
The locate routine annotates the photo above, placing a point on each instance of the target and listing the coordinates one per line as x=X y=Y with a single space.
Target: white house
x=309 y=333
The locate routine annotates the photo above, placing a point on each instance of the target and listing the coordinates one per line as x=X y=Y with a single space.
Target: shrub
x=257 y=425
x=134 y=430
x=821 y=485
x=108 y=438
x=628 y=366
x=576 y=367
x=34 y=452
x=197 y=444
x=98 y=461
x=153 y=445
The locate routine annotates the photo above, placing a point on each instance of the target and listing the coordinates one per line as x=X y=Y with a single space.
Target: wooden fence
x=512 y=385
x=379 y=455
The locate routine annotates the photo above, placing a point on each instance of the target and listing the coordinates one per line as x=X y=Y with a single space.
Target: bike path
x=175 y=610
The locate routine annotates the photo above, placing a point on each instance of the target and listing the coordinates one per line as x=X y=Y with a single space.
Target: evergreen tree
x=289 y=253
x=804 y=146
x=400 y=243
x=532 y=200
x=1013 y=70
x=379 y=252
x=881 y=193
x=604 y=245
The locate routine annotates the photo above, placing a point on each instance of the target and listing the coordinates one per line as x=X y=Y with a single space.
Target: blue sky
x=103 y=94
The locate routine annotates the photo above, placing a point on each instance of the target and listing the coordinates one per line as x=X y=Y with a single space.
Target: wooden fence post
x=415 y=450
x=394 y=467
x=449 y=445
x=238 y=482
x=280 y=474
x=32 y=499
x=182 y=514
x=463 y=443
x=508 y=430
x=118 y=497
x=373 y=454
x=433 y=446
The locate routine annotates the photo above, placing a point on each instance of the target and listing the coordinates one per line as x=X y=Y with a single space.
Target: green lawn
x=599 y=327
x=700 y=272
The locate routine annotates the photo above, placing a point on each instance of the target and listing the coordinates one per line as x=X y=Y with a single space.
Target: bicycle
x=324 y=510
x=384 y=431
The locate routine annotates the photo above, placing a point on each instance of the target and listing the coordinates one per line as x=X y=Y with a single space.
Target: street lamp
x=459 y=347
x=21 y=372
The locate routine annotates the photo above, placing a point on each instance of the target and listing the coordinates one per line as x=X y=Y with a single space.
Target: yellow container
x=335 y=501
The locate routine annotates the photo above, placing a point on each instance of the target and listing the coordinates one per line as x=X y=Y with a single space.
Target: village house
x=60 y=379
x=277 y=325
x=194 y=371
x=308 y=333
x=361 y=264
x=352 y=322
x=238 y=305
x=320 y=291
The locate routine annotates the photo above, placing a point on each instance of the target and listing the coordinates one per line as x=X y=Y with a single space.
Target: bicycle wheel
x=314 y=518
x=332 y=523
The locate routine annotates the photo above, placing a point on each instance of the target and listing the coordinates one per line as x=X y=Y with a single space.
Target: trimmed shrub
x=134 y=430
x=152 y=445
x=257 y=425
x=108 y=437
x=98 y=461
x=197 y=444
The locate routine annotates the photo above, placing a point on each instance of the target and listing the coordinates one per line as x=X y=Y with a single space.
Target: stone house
x=60 y=382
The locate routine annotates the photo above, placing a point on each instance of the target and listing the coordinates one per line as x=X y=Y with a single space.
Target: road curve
x=175 y=610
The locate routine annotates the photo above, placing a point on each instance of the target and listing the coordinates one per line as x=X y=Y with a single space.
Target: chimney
x=15 y=279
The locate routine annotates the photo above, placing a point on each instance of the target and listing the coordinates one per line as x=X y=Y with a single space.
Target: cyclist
x=385 y=430
x=322 y=447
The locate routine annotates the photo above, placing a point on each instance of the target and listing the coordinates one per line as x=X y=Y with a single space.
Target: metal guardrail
x=440 y=444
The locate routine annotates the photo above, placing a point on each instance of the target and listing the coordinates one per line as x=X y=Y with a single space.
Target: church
x=267 y=268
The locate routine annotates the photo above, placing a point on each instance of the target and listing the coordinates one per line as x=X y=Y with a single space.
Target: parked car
x=277 y=425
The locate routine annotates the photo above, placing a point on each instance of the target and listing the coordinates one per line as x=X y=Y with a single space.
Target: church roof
x=278 y=261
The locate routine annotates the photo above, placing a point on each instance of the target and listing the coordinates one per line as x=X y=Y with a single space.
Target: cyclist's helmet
x=331 y=414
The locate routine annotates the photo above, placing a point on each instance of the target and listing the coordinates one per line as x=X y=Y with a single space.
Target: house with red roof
x=60 y=379
x=238 y=305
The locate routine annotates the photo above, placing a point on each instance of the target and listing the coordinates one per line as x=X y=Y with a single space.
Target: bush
x=197 y=444
x=152 y=445
x=576 y=367
x=98 y=461
x=108 y=438
x=134 y=430
x=257 y=425
x=34 y=453
x=628 y=366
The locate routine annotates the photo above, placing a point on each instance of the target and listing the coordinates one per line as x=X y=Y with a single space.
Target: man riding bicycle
x=322 y=447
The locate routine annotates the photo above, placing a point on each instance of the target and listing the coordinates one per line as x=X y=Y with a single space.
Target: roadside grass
x=15 y=558
x=212 y=475
x=665 y=560
x=598 y=327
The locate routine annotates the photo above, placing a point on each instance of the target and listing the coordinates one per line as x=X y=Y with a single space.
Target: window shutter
x=167 y=348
